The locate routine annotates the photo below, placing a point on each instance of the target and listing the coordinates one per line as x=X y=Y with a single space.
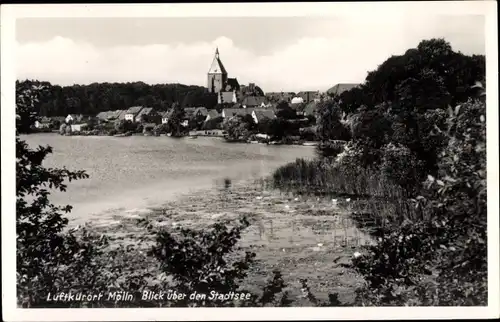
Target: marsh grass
x=371 y=198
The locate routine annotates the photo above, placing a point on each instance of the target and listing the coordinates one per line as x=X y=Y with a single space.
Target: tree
x=176 y=119
x=330 y=128
x=238 y=127
x=124 y=126
x=47 y=259
x=28 y=95
x=98 y=97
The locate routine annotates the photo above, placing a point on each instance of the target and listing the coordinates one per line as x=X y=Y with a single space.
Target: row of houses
x=140 y=114
x=305 y=104
x=308 y=96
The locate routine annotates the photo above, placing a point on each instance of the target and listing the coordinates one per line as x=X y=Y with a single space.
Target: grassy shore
x=305 y=238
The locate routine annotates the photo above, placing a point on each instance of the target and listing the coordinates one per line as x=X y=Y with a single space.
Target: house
x=189 y=112
x=43 y=123
x=132 y=112
x=200 y=112
x=73 y=118
x=297 y=100
x=280 y=96
x=230 y=112
x=259 y=114
x=253 y=101
x=77 y=118
x=78 y=127
x=340 y=88
x=165 y=116
x=103 y=116
x=147 y=114
x=227 y=97
x=311 y=109
x=110 y=116
x=117 y=115
x=309 y=96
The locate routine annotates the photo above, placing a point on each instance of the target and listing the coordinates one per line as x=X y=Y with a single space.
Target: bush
x=308 y=133
x=238 y=128
x=124 y=126
x=401 y=166
x=448 y=246
x=213 y=124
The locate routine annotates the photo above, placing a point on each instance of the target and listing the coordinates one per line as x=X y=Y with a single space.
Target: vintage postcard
x=200 y=161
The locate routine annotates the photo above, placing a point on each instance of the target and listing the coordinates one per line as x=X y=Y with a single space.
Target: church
x=218 y=82
x=228 y=90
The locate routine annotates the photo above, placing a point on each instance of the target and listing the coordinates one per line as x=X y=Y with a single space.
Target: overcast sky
x=278 y=54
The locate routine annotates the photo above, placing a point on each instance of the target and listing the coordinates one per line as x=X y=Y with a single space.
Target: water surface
x=134 y=173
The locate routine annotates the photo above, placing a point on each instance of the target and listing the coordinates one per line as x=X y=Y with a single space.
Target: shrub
x=401 y=166
x=238 y=128
x=450 y=242
x=213 y=124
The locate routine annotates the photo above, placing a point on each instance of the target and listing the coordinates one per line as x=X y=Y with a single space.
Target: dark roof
x=58 y=118
x=253 y=100
x=214 y=114
x=121 y=114
x=308 y=96
x=277 y=96
x=116 y=114
x=134 y=110
x=44 y=119
x=228 y=112
x=264 y=113
x=232 y=84
x=311 y=108
x=189 y=111
x=145 y=111
x=340 y=88
x=103 y=115
x=201 y=110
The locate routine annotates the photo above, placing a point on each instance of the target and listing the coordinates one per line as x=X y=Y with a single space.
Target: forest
x=99 y=97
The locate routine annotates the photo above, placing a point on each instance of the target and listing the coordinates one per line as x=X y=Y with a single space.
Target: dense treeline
x=433 y=69
x=98 y=97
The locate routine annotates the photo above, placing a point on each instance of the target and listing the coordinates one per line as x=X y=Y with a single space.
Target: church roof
x=232 y=85
x=217 y=67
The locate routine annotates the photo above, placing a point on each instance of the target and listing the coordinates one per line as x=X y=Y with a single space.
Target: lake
x=135 y=173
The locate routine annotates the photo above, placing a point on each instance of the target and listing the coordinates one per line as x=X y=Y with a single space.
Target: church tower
x=217 y=75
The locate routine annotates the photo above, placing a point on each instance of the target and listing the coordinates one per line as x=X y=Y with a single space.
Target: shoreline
x=190 y=136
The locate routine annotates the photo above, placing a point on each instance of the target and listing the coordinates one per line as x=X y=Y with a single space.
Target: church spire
x=217 y=66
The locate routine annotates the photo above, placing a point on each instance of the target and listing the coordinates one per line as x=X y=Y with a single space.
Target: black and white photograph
x=324 y=159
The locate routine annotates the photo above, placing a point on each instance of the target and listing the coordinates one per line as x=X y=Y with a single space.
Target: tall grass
x=374 y=200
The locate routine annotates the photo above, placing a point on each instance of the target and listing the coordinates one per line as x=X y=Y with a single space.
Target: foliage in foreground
x=431 y=238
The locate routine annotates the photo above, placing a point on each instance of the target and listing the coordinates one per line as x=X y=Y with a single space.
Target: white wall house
x=132 y=112
x=70 y=118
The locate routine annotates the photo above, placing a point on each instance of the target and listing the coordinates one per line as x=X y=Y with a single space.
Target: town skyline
x=297 y=54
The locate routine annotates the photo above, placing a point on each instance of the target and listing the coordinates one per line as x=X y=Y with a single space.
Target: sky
x=276 y=53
